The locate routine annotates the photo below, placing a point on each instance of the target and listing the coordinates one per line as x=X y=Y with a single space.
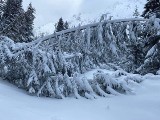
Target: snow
x=113 y=48
x=158 y=72
x=89 y=74
x=15 y=104
x=151 y=51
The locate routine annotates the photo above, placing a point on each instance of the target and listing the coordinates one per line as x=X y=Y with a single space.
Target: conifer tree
x=12 y=16
x=29 y=22
x=136 y=13
x=66 y=25
x=60 y=25
x=16 y=23
x=152 y=7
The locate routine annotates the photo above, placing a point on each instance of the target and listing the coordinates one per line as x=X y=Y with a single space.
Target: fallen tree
x=52 y=67
x=46 y=73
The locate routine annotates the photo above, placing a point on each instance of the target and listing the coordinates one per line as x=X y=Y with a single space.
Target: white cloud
x=52 y=10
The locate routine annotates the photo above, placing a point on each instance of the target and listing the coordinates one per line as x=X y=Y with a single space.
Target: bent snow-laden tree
x=151 y=62
x=119 y=42
x=45 y=72
x=54 y=71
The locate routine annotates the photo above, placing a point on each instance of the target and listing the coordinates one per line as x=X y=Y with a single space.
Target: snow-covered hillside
x=144 y=105
x=115 y=8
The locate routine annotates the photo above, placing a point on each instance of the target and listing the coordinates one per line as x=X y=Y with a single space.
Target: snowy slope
x=116 y=8
x=145 y=105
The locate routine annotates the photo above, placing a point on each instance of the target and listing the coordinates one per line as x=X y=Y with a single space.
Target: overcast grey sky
x=51 y=10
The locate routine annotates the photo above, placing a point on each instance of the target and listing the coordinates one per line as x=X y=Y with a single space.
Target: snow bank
x=145 y=105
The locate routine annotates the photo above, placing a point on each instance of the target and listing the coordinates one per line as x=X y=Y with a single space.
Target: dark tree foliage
x=135 y=56
x=13 y=8
x=152 y=63
x=152 y=7
x=2 y=5
x=29 y=22
x=61 y=25
x=12 y=17
x=15 y=22
x=66 y=25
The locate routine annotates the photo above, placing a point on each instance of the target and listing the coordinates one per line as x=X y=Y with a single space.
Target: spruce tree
x=136 y=13
x=60 y=25
x=12 y=9
x=29 y=22
x=16 y=23
x=66 y=25
x=152 y=7
x=12 y=17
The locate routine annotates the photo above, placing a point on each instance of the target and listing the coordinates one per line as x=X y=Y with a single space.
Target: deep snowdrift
x=144 y=105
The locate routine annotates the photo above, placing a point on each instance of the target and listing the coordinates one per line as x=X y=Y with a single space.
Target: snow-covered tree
x=66 y=25
x=151 y=48
x=54 y=71
x=152 y=7
x=151 y=62
x=136 y=13
x=45 y=73
x=60 y=25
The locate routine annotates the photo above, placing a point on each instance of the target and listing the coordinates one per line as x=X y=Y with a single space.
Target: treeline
x=15 y=22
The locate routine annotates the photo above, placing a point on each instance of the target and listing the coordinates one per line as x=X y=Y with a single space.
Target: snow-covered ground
x=15 y=104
